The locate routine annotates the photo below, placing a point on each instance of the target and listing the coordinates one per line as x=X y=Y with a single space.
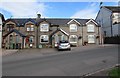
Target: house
x=109 y=19
x=45 y=32
x=2 y=19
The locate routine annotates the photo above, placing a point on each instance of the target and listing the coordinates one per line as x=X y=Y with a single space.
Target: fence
x=112 y=40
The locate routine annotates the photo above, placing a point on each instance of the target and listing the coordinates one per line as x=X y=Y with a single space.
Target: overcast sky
x=30 y=8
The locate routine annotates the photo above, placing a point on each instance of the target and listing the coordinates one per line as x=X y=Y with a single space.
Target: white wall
x=116 y=29
x=1 y=32
x=104 y=20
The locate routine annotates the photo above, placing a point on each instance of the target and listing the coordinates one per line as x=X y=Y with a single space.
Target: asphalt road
x=65 y=64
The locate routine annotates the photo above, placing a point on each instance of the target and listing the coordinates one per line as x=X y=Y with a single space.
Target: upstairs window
x=44 y=27
x=10 y=27
x=90 y=28
x=73 y=28
x=30 y=27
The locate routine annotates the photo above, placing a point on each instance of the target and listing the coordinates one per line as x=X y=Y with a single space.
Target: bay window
x=91 y=39
x=73 y=39
x=44 y=38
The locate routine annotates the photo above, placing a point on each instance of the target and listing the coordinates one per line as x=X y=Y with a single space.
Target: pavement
x=4 y=52
x=44 y=51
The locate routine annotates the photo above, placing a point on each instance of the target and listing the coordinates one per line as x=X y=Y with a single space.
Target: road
x=76 y=63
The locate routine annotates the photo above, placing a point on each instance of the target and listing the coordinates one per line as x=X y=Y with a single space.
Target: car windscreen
x=63 y=41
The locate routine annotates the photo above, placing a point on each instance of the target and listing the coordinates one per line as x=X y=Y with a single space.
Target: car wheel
x=69 y=49
x=58 y=49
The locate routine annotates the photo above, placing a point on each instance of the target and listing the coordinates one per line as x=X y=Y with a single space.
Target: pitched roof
x=59 y=29
x=53 y=21
x=63 y=21
x=16 y=31
x=113 y=8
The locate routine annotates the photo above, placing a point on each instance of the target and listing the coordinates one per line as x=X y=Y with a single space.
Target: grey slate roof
x=16 y=31
x=113 y=8
x=53 y=21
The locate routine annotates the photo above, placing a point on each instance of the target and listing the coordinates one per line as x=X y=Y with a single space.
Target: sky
x=30 y=8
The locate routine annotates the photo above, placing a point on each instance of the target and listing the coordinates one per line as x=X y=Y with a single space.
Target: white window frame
x=71 y=37
x=28 y=28
x=90 y=40
x=90 y=28
x=42 y=29
x=73 y=28
x=32 y=27
x=44 y=37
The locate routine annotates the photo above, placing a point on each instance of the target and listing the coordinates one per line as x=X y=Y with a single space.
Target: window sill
x=91 y=43
x=44 y=31
x=30 y=31
x=44 y=42
x=73 y=42
x=90 y=32
x=73 y=31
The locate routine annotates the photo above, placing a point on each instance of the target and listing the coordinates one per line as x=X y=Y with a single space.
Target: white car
x=64 y=45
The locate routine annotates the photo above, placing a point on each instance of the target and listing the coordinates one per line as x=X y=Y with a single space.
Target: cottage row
x=45 y=32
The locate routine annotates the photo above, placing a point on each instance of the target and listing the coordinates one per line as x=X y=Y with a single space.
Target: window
x=30 y=27
x=10 y=27
x=73 y=39
x=17 y=39
x=63 y=37
x=31 y=38
x=91 y=39
x=44 y=38
x=73 y=28
x=90 y=28
x=44 y=27
x=11 y=38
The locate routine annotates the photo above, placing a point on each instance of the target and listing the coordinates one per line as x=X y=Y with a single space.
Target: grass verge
x=115 y=72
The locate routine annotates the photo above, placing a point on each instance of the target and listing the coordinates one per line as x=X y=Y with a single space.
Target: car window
x=63 y=41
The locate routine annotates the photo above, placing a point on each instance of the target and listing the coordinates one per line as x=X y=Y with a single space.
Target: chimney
x=38 y=15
